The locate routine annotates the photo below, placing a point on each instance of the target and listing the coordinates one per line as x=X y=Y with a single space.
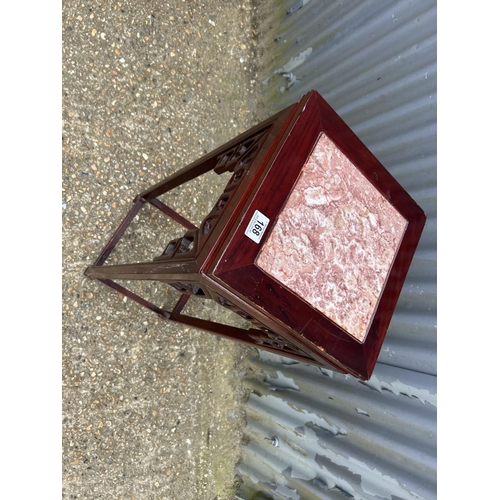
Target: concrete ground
x=150 y=410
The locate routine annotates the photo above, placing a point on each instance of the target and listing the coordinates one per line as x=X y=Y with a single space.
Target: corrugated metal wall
x=314 y=433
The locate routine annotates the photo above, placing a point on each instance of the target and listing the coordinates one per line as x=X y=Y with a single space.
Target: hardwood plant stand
x=310 y=241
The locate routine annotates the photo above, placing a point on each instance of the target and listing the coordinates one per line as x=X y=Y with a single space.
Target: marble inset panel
x=335 y=240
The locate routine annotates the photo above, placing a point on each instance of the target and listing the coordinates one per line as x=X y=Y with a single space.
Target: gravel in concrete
x=150 y=410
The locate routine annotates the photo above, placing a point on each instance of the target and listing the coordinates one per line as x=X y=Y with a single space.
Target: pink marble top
x=334 y=242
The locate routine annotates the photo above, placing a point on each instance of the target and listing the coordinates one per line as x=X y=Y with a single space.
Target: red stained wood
x=220 y=261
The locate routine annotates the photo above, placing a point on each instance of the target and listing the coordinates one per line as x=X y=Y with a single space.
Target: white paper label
x=257 y=226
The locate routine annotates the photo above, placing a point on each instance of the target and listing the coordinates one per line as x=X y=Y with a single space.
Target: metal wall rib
x=337 y=437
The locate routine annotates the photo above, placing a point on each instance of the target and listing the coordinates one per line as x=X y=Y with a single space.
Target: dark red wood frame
x=217 y=260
